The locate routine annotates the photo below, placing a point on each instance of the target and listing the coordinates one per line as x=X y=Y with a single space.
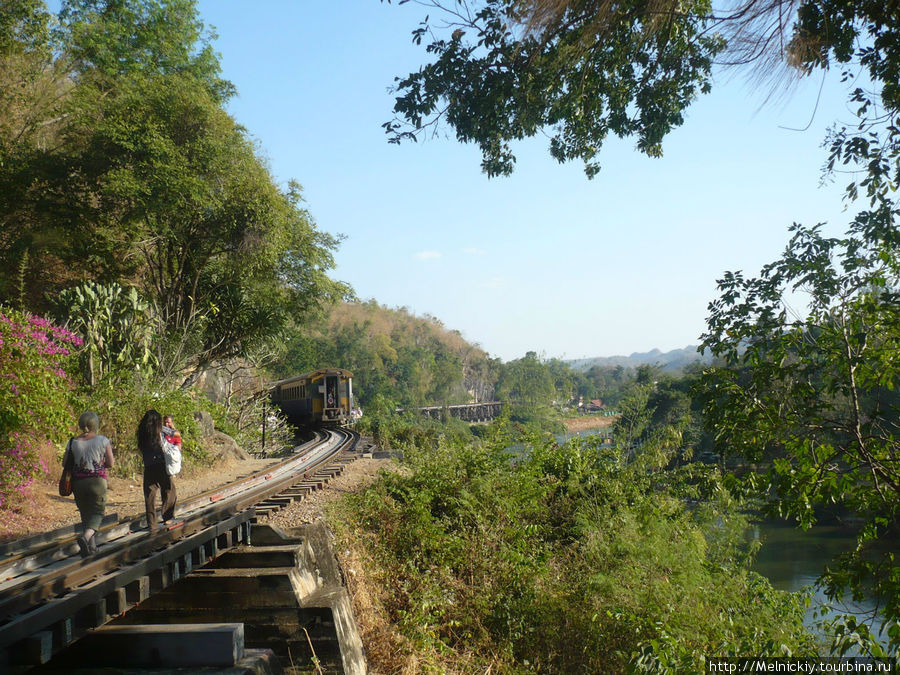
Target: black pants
x=156 y=478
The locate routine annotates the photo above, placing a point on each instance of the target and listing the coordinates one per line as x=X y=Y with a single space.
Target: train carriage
x=320 y=397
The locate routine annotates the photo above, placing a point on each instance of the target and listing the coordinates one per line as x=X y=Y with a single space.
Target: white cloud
x=474 y=251
x=427 y=255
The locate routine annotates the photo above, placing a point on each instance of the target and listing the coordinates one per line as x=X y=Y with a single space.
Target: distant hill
x=673 y=360
x=407 y=359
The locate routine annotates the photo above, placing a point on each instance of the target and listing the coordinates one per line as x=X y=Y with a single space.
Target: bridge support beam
x=185 y=645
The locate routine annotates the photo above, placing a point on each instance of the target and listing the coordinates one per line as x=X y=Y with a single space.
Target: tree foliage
x=120 y=164
x=574 y=558
x=528 y=381
x=494 y=81
x=114 y=326
x=813 y=386
x=816 y=388
x=393 y=355
x=578 y=70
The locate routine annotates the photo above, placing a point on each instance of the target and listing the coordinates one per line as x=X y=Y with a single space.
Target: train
x=322 y=397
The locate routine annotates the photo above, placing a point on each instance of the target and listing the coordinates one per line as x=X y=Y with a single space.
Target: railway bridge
x=60 y=609
x=468 y=412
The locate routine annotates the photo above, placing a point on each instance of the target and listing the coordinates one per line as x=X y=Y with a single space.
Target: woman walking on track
x=90 y=457
x=150 y=440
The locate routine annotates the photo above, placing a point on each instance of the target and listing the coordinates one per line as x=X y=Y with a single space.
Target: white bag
x=172 y=453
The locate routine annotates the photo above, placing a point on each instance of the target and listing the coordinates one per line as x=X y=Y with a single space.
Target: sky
x=546 y=260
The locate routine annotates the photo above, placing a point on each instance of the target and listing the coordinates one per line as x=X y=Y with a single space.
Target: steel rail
x=60 y=610
x=62 y=546
x=23 y=594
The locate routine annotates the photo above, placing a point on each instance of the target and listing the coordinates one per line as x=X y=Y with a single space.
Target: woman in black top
x=149 y=441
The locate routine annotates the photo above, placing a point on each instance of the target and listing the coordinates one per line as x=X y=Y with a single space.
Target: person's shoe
x=83 y=546
x=92 y=544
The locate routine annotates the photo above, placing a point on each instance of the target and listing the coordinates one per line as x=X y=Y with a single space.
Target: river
x=792 y=559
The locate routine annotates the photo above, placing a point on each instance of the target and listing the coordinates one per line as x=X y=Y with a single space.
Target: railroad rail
x=49 y=596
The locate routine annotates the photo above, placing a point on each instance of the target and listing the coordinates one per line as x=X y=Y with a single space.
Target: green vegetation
x=580 y=558
x=144 y=238
x=580 y=70
x=408 y=361
x=138 y=214
x=816 y=395
x=119 y=164
x=807 y=369
x=412 y=361
x=35 y=394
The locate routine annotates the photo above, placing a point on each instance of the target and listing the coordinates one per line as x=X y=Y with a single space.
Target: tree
x=578 y=70
x=816 y=388
x=527 y=381
x=149 y=181
x=114 y=326
x=494 y=81
x=111 y=40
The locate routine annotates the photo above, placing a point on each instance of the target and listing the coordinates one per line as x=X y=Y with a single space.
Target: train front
x=321 y=397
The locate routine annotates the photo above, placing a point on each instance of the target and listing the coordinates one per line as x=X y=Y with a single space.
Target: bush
x=574 y=558
x=35 y=392
x=121 y=400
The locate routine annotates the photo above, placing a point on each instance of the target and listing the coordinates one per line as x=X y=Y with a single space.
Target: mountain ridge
x=673 y=360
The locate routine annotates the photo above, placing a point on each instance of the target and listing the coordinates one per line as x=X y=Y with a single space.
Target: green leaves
x=137 y=173
x=573 y=558
x=816 y=393
x=578 y=81
x=115 y=324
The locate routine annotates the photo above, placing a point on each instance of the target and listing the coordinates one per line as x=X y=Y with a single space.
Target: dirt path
x=47 y=511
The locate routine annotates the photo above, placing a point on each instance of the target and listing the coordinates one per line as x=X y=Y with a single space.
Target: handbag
x=65 y=480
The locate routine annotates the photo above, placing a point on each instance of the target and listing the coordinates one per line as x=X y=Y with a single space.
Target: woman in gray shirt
x=91 y=458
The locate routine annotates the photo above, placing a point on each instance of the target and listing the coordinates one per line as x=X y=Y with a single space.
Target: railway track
x=49 y=596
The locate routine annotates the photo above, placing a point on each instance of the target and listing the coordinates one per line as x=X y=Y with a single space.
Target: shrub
x=35 y=392
x=114 y=323
x=120 y=400
x=573 y=558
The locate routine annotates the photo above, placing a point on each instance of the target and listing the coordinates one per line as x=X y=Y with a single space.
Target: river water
x=792 y=559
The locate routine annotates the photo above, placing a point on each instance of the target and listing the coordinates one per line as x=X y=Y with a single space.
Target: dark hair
x=148 y=431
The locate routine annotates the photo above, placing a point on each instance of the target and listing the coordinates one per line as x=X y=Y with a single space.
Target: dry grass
x=588 y=422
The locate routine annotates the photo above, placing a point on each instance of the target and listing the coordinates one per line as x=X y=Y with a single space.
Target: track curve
x=49 y=596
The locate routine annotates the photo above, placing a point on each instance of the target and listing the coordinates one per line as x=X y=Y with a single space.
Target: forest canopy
x=120 y=164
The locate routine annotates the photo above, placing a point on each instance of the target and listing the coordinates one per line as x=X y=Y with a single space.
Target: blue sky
x=546 y=260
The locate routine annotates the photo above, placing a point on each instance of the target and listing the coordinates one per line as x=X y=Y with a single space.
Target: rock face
x=205 y=420
x=226 y=446
x=220 y=444
x=228 y=378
